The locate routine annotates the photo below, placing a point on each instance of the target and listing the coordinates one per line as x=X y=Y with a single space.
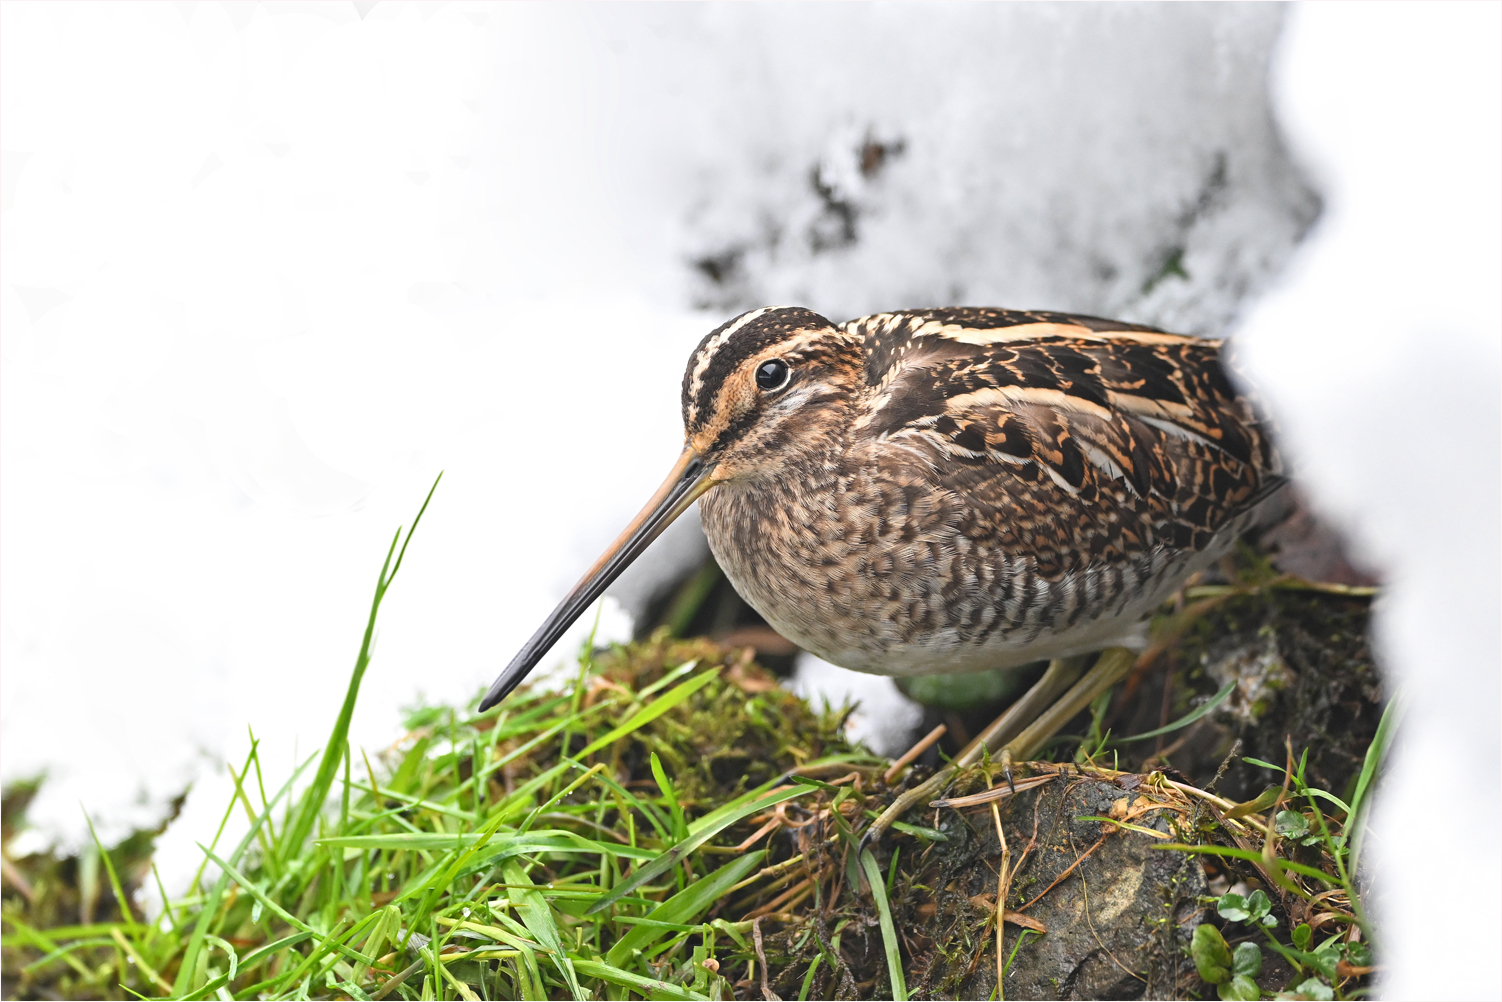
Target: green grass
x=562 y=845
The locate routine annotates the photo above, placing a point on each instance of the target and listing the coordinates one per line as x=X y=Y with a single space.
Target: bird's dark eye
x=772 y=375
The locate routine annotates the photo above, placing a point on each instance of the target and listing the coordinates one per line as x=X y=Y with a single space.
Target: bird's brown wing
x=1072 y=438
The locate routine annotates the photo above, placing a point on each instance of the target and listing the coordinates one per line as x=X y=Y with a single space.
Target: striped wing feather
x=1136 y=432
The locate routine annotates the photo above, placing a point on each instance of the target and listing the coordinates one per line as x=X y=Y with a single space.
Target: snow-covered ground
x=269 y=267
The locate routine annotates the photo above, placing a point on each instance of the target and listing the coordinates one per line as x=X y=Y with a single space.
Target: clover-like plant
x=1233 y=972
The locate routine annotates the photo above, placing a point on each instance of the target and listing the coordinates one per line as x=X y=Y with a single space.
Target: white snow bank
x=1381 y=355
x=881 y=718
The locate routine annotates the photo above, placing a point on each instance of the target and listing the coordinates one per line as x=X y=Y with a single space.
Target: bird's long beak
x=688 y=480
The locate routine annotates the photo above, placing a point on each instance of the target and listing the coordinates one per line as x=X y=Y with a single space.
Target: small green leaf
x=1291 y=824
x=930 y=834
x=1212 y=958
x=1257 y=906
x=1302 y=934
x=1324 y=960
x=1232 y=908
x=1241 y=989
x=1316 y=989
x=1358 y=954
x=1247 y=960
x=1260 y=803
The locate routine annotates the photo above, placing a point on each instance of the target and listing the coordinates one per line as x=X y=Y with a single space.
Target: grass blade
x=1184 y=721
x=256 y=956
x=211 y=905
x=888 y=930
x=1250 y=857
x=538 y=918
x=140 y=961
x=109 y=868
x=648 y=987
x=1356 y=824
x=652 y=711
x=314 y=797
x=281 y=912
x=669 y=859
x=680 y=829
x=684 y=907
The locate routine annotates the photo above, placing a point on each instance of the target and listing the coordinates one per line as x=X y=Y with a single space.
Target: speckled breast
x=881 y=578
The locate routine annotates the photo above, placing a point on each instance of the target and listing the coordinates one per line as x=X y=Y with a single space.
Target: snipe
x=948 y=490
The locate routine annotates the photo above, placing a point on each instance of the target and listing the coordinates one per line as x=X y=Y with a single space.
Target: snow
x=881 y=717
x=268 y=268
x=1380 y=354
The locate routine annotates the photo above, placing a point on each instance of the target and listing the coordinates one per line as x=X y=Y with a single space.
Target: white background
x=269 y=267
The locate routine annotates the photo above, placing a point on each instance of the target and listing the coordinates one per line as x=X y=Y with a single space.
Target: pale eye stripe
x=707 y=353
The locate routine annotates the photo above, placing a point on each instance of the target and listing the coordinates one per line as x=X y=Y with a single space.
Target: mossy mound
x=1097 y=909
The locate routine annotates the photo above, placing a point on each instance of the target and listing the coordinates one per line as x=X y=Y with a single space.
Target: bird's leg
x=1110 y=668
x=1061 y=674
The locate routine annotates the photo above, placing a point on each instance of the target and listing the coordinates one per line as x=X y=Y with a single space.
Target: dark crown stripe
x=716 y=358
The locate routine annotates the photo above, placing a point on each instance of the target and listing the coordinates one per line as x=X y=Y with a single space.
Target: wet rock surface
x=1118 y=914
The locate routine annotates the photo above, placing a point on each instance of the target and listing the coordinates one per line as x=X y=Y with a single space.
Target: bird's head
x=765 y=387
x=759 y=391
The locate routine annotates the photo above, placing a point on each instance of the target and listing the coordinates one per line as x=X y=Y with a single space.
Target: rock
x=1118 y=923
